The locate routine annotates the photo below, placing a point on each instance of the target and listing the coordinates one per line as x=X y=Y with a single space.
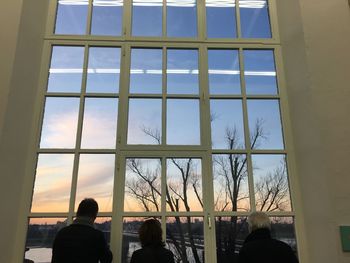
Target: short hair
x=88 y=207
x=257 y=220
x=150 y=233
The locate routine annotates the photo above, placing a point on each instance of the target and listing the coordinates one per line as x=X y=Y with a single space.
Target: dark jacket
x=151 y=254
x=80 y=243
x=259 y=247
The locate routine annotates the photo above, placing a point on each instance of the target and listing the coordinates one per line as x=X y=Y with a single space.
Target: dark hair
x=150 y=233
x=88 y=207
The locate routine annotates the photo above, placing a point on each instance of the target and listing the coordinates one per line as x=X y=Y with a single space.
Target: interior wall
x=315 y=41
x=22 y=31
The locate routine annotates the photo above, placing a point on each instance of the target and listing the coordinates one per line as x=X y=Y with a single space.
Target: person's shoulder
x=281 y=244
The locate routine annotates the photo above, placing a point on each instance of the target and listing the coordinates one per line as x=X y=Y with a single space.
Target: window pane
x=231 y=192
x=95 y=180
x=230 y=234
x=255 y=22
x=71 y=17
x=146 y=71
x=100 y=123
x=182 y=71
x=66 y=69
x=145 y=121
x=103 y=70
x=184 y=183
x=260 y=72
x=224 y=77
x=185 y=238
x=271 y=182
x=282 y=228
x=52 y=183
x=181 y=18
x=147 y=18
x=40 y=236
x=142 y=185
x=183 y=122
x=265 y=124
x=227 y=130
x=221 y=19
x=104 y=224
x=107 y=17
x=60 y=123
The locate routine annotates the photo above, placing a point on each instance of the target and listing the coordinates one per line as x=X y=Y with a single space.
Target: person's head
x=150 y=233
x=257 y=220
x=88 y=208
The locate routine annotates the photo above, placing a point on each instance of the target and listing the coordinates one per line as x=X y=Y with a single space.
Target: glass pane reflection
x=183 y=122
x=66 y=69
x=230 y=175
x=265 y=127
x=40 y=236
x=181 y=18
x=255 y=21
x=221 y=18
x=146 y=71
x=60 y=123
x=184 y=185
x=142 y=185
x=230 y=235
x=147 y=18
x=107 y=17
x=71 y=18
x=224 y=76
x=227 y=130
x=182 y=71
x=271 y=182
x=185 y=238
x=100 y=123
x=95 y=180
x=103 y=70
x=144 y=123
x=260 y=72
x=52 y=183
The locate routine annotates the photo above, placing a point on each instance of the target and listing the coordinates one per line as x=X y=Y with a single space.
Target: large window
x=169 y=109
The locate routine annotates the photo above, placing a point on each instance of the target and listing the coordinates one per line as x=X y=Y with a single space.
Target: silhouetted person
x=259 y=247
x=152 y=250
x=81 y=242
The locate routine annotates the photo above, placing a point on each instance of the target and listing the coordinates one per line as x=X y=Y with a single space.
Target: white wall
x=22 y=26
x=316 y=48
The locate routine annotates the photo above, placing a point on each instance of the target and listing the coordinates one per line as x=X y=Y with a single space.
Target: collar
x=83 y=220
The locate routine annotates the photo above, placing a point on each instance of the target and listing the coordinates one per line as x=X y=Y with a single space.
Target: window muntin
x=219 y=82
